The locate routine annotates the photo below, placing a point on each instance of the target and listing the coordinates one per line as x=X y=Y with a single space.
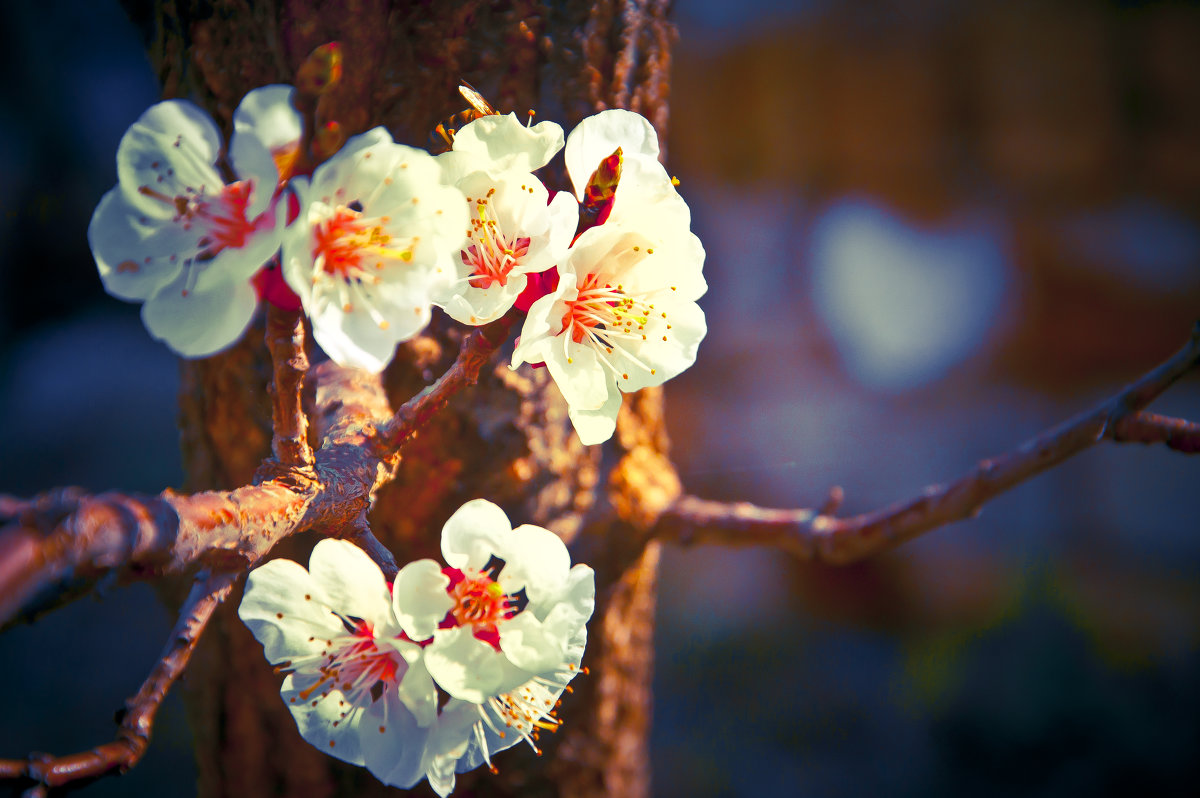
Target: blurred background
x=933 y=228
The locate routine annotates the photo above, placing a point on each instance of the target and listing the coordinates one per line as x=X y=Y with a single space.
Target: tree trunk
x=508 y=439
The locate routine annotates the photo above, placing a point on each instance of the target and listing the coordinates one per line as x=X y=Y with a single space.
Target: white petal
x=121 y=245
x=393 y=742
x=596 y=426
x=199 y=323
x=580 y=591
x=475 y=532
x=576 y=368
x=543 y=323
x=529 y=646
x=507 y=144
x=284 y=588
x=172 y=144
x=267 y=114
x=667 y=358
x=353 y=582
x=315 y=716
x=598 y=136
x=538 y=561
x=419 y=598
x=451 y=742
x=417 y=691
x=464 y=666
x=356 y=338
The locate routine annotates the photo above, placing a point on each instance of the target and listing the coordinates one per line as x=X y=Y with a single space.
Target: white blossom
x=513 y=228
x=356 y=685
x=507 y=621
x=624 y=315
x=173 y=235
x=371 y=246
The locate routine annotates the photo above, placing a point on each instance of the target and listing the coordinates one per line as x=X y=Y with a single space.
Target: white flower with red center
x=624 y=315
x=173 y=235
x=514 y=230
x=356 y=685
x=502 y=613
x=372 y=244
x=503 y=630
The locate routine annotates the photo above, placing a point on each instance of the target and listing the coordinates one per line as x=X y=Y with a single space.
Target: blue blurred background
x=933 y=229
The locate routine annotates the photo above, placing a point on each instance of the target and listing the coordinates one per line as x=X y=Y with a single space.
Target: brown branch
x=63 y=542
x=476 y=350
x=1175 y=433
x=810 y=534
x=286 y=342
x=137 y=722
x=362 y=536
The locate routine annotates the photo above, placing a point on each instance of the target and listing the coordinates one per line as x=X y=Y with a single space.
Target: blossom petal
x=464 y=666
x=284 y=609
x=419 y=598
x=529 y=646
x=122 y=246
x=352 y=581
x=596 y=426
x=199 y=323
x=579 y=374
x=393 y=742
x=172 y=144
x=416 y=689
x=538 y=561
x=267 y=114
x=506 y=144
x=598 y=136
x=475 y=532
x=322 y=719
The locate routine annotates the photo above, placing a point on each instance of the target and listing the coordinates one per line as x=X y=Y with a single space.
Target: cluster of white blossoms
x=381 y=232
x=433 y=674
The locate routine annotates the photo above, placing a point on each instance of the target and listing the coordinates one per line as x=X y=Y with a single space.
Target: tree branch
x=810 y=534
x=137 y=722
x=286 y=341
x=476 y=350
x=1175 y=433
x=62 y=542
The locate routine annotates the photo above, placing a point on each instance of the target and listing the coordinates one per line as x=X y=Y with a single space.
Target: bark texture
x=508 y=439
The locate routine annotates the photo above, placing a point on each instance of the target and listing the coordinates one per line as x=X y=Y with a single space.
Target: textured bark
x=508 y=439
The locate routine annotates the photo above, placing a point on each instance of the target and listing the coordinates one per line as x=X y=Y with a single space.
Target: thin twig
x=286 y=342
x=361 y=535
x=809 y=534
x=1174 y=433
x=476 y=350
x=133 y=735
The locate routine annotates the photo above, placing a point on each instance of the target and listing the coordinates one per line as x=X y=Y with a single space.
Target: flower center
x=351 y=663
x=221 y=217
x=480 y=602
x=346 y=244
x=494 y=254
x=610 y=319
